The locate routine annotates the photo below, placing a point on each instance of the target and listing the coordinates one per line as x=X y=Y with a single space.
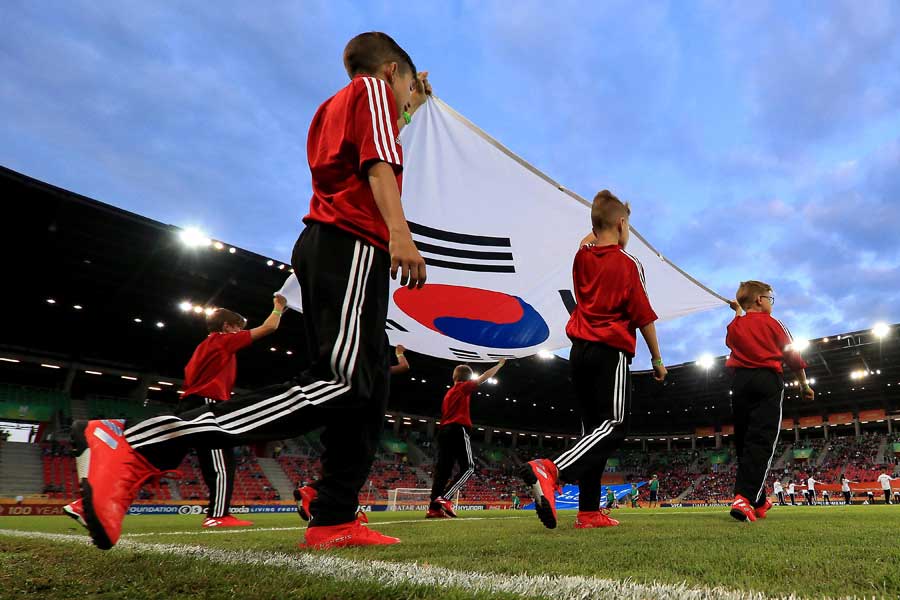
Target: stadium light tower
x=194 y=238
x=706 y=361
x=800 y=344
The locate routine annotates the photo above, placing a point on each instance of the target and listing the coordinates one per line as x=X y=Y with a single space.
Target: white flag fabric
x=499 y=238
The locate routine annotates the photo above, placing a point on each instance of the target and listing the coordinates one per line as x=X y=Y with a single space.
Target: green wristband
x=407 y=117
x=277 y=312
x=657 y=362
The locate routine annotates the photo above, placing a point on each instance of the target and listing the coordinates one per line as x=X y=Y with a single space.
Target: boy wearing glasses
x=759 y=344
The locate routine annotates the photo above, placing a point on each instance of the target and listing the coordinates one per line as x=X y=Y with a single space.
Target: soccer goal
x=412 y=499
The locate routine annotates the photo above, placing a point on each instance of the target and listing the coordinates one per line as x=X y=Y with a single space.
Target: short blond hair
x=749 y=291
x=462 y=373
x=606 y=210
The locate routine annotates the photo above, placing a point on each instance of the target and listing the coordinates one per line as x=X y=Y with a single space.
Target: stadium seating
x=250 y=483
x=32 y=403
x=111 y=407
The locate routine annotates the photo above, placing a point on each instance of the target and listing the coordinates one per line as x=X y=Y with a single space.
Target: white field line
x=401 y=575
x=379 y=524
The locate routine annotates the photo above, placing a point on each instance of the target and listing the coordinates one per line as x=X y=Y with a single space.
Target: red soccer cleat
x=446 y=506
x=742 y=510
x=226 y=521
x=111 y=474
x=76 y=511
x=543 y=477
x=353 y=533
x=304 y=495
x=436 y=513
x=594 y=519
x=762 y=510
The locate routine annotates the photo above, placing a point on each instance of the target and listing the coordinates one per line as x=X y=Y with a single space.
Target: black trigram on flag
x=448 y=249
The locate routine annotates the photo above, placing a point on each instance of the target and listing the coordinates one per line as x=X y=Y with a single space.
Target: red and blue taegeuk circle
x=474 y=316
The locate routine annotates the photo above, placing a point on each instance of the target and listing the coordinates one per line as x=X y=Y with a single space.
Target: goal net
x=412 y=499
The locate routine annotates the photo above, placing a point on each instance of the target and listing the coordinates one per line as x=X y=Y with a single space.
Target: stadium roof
x=114 y=276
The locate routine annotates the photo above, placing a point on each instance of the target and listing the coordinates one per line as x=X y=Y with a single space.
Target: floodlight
x=881 y=330
x=194 y=238
x=706 y=361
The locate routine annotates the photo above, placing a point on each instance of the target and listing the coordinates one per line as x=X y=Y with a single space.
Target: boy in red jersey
x=758 y=343
x=209 y=378
x=356 y=236
x=612 y=304
x=453 y=439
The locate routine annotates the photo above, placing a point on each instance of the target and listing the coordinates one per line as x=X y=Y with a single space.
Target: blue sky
x=753 y=139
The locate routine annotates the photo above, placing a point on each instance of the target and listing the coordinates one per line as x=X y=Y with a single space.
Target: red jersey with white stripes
x=612 y=297
x=457 y=402
x=213 y=367
x=757 y=340
x=352 y=130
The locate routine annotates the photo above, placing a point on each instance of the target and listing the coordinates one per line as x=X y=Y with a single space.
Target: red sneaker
x=436 y=513
x=742 y=510
x=762 y=510
x=353 y=533
x=76 y=511
x=304 y=495
x=446 y=506
x=543 y=477
x=593 y=519
x=226 y=521
x=111 y=474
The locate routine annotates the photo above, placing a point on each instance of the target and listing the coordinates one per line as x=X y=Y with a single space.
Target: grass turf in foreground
x=814 y=551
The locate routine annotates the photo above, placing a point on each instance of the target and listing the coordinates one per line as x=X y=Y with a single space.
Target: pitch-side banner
x=499 y=238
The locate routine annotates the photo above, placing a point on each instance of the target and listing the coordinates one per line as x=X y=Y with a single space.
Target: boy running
x=209 y=378
x=759 y=343
x=356 y=235
x=612 y=305
x=453 y=442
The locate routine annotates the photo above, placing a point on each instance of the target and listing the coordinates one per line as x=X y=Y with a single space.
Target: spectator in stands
x=758 y=343
x=454 y=445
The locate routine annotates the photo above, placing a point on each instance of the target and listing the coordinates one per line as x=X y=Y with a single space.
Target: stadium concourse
x=110 y=331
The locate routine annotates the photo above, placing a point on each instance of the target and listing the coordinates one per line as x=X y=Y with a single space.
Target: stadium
x=125 y=360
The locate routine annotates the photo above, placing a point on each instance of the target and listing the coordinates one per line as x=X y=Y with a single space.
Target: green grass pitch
x=690 y=552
